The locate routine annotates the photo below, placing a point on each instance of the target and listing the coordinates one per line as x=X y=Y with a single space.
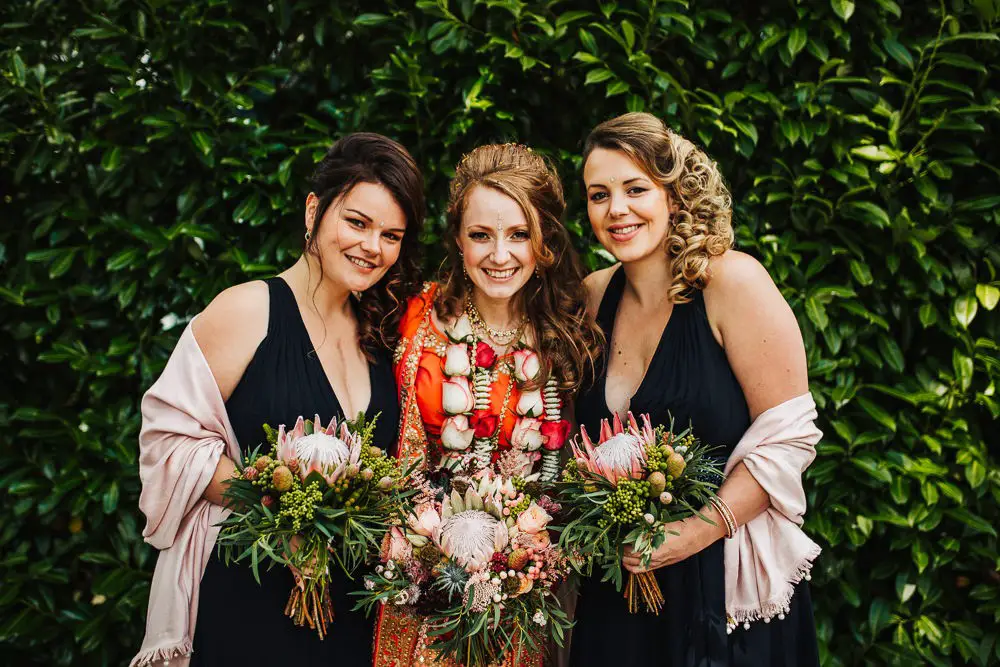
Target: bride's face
x=495 y=243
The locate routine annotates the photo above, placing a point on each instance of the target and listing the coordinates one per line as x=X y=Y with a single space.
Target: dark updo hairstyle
x=366 y=157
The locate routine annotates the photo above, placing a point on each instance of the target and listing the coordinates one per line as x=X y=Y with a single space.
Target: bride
x=487 y=358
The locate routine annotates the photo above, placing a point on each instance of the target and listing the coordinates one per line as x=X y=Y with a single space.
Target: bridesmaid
x=312 y=340
x=698 y=332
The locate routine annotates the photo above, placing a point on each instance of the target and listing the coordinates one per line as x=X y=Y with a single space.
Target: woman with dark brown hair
x=313 y=340
x=698 y=335
x=513 y=291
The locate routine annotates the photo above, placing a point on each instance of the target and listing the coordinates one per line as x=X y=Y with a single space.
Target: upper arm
x=759 y=331
x=229 y=330
x=596 y=284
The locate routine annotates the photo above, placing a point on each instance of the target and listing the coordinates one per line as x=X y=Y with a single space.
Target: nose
x=618 y=207
x=370 y=241
x=500 y=253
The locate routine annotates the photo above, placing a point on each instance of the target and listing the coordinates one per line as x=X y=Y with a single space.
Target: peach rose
x=526 y=365
x=533 y=519
x=527 y=434
x=456 y=360
x=530 y=404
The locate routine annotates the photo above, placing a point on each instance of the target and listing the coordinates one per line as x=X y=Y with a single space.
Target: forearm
x=224 y=471
x=745 y=498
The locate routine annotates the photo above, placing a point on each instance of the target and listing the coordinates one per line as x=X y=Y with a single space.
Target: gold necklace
x=500 y=336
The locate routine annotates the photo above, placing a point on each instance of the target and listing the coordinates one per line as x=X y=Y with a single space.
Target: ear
x=312 y=204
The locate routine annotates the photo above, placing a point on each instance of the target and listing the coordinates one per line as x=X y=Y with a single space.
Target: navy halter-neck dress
x=689 y=380
x=242 y=623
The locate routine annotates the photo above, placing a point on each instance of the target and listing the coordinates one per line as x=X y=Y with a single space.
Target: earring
x=538 y=273
x=309 y=236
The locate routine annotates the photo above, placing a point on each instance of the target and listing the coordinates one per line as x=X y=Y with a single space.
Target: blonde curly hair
x=702 y=227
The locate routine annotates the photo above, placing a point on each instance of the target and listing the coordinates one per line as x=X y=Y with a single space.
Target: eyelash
x=633 y=190
x=483 y=236
x=360 y=224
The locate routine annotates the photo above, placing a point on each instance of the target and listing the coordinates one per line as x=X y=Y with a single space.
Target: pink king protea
x=321 y=450
x=621 y=453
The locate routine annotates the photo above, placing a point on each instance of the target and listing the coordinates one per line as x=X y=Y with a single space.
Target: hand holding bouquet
x=623 y=491
x=475 y=559
x=318 y=495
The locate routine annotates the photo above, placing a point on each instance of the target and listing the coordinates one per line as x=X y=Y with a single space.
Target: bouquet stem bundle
x=644 y=585
x=311 y=606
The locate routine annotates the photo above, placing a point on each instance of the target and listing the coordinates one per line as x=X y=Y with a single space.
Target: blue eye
x=636 y=190
x=598 y=196
x=479 y=236
x=356 y=223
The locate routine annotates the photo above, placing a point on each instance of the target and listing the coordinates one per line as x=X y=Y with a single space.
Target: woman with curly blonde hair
x=697 y=333
x=488 y=356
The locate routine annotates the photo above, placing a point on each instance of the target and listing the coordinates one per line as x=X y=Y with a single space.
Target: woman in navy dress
x=311 y=341
x=699 y=333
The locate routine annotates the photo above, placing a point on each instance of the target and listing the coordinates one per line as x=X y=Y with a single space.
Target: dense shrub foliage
x=154 y=152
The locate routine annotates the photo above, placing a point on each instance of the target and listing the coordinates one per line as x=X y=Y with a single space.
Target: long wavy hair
x=366 y=157
x=554 y=300
x=702 y=227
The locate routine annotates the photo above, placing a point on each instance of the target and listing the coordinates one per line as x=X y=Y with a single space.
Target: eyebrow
x=626 y=182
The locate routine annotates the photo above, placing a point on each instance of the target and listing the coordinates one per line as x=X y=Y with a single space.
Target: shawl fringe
x=778 y=606
x=162 y=655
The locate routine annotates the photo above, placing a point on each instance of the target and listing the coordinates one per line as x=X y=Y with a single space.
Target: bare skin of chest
x=344 y=364
x=636 y=336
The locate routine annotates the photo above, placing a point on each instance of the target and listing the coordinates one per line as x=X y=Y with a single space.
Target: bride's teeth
x=361 y=263
x=507 y=273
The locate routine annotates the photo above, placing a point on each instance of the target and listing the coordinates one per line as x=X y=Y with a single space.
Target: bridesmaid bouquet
x=475 y=559
x=328 y=486
x=623 y=490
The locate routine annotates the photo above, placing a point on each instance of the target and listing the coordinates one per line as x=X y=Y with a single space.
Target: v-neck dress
x=690 y=381
x=242 y=623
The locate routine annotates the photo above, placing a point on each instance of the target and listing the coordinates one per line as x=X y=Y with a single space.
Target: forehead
x=603 y=164
x=484 y=205
x=375 y=201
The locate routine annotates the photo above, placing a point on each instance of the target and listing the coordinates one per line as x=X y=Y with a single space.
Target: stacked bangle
x=727 y=515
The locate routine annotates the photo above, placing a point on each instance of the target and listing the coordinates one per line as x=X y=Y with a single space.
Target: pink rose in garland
x=456 y=434
x=530 y=404
x=527 y=434
x=526 y=365
x=456 y=360
x=456 y=396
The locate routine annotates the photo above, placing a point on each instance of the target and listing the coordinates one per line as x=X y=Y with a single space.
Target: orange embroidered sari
x=400 y=638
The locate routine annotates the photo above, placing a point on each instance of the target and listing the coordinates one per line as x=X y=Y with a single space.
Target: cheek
x=391 y=252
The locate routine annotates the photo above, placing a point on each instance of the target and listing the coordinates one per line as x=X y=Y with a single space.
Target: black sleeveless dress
x=689 y=379
x=242 y=623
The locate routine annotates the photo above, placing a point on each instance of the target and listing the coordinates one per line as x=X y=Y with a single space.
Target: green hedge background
x=154 y=152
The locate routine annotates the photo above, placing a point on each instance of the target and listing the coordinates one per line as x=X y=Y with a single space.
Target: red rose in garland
x=486 y=356
x=484 y=422
x=556 y=434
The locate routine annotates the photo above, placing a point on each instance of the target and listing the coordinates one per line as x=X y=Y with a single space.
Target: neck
x=497 y=313
x=647 y=279
x=320 y=293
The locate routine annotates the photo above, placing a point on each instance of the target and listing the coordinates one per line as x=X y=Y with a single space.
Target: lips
x=621 y=233
x=363 y=264
x=501 y=274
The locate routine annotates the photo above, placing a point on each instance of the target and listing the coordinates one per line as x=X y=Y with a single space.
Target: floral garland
x=471 y=433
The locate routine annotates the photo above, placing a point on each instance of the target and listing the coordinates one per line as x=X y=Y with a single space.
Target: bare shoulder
x=735 y=272
x=229 y=330
x=596 y=284
x=757 y=329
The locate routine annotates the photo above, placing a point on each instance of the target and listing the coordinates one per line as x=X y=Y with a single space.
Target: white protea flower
x=328 y=451
x=471 y=537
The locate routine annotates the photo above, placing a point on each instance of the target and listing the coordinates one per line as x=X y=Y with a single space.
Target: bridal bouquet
x=623 y=490
x=328 y=488
x=475 y=559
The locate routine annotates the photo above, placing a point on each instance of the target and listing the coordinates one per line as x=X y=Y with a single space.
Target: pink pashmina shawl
x=770 y=554
x=185 y=429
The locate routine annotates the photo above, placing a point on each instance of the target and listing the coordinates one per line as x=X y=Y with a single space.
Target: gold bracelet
x=727 y=515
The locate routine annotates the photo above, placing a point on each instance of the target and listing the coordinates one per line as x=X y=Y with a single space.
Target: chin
x=500 y=292
x=632 y=251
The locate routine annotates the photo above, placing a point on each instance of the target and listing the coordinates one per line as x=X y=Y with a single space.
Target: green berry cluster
x=375 y=459
x=300 y=504
x=626 y=503
x=519 y=483
x=571 y=471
